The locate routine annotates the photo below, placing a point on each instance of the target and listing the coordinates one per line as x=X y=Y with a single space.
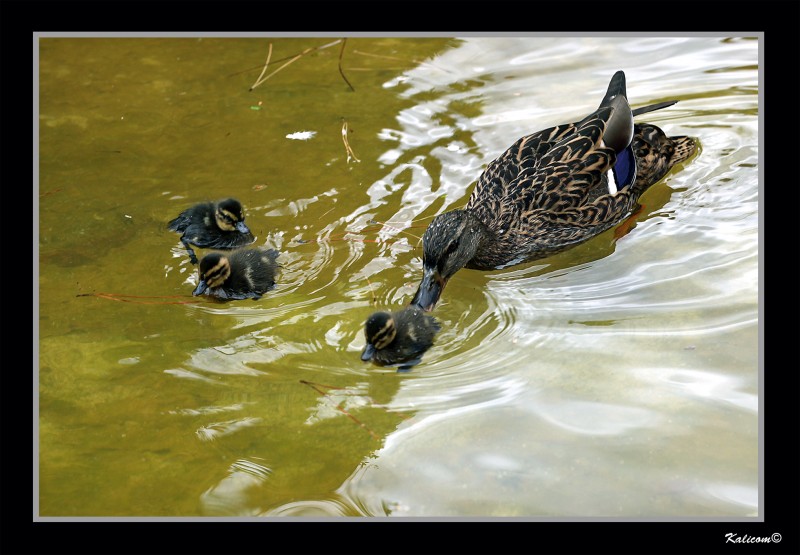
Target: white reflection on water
x=444 y=401
x=216 y=430
x=338 y=402
x=747 y=496
x=616 y=379
x=606 y=382
x=583 y=417
x=231 y=495
x=312 y=509
x=712 y=387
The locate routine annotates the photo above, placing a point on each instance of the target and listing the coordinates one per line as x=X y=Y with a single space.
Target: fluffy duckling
x=212 y=225
x=399 y=338
x=241 y=274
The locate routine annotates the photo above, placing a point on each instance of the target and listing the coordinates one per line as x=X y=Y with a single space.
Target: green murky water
x=619 y=378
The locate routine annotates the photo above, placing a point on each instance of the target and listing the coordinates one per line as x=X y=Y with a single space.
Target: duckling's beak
x=368 y=351
x=430 y=289
x=241 y=228
x=201 y=288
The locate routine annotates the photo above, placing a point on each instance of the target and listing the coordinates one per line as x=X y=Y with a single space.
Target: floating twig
x=263 y=71
x=374 y=226
x=383 y=56
x=316 y=387
x=371 y=290
x=294 y=59
x=235 y=73
x=350 y=153
x=413 y=60
x=129 y=298
x=341 y=71
x=257 y=83
x=399 y=229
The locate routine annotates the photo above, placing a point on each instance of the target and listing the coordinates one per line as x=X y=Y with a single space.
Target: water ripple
x=550 y=374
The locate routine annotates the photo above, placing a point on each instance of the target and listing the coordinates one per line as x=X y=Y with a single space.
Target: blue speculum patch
x=625 y=168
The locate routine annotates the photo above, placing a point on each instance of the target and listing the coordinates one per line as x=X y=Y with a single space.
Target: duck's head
x=215 y=268
x=449 y=243
x=380 y=330
x=656 y=153
x=230 y=216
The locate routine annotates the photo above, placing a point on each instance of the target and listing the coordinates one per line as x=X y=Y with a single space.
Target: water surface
x=617 y=379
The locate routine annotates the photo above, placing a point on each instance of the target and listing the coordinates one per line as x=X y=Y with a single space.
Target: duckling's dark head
x=215 y=269
x=380 y=331
x=449 y=243
x=230 y=216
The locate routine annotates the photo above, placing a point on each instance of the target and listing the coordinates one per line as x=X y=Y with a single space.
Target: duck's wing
x=565 y=176
x=181 y=222
x=582 y=174
x=564 y=179
x=566 y=218
x=191 y=216
x=214 y=238
x=550 y=167
x=498 y=181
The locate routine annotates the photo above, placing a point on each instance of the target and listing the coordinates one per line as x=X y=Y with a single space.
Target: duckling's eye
x=384 y=336
x=227 y=218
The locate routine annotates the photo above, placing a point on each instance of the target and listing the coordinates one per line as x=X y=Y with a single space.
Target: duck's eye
x=452 y=247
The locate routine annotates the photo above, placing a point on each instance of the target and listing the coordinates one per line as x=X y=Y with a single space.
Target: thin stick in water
x=341 y=71
x=294 y=59
x=350 y=153
x=263 y=71
x=339 y=407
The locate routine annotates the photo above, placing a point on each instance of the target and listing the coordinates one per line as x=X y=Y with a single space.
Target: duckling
x=212 y=225
x=242 y=274
x=399 y=338
x=552 y=190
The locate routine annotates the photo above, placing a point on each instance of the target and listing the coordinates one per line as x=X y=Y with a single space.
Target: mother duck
x=551 y=190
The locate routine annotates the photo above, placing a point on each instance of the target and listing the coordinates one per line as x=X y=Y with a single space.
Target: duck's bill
x=368 y=351
x=429 y=290
x=242 y=228
x=200 y=289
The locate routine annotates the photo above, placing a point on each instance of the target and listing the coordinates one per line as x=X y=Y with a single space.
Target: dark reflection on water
x=619 y=378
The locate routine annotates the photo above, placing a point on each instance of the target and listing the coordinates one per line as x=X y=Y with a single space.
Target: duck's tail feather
x=653 y=107
x=619 y=122
x=616 y=87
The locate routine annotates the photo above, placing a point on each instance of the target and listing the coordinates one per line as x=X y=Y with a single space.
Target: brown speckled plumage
x=550 y=191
